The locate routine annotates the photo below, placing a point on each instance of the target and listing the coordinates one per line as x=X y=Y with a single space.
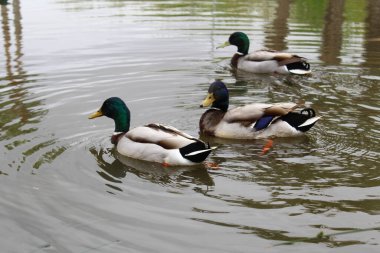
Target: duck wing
x=267 y=55
x=253 y=112
x=167 y=137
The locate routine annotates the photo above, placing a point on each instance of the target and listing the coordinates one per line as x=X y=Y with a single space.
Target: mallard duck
x=153 y=142
x=264 y=61
x=252 y=121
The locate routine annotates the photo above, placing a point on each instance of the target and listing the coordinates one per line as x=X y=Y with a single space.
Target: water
x=63 y=188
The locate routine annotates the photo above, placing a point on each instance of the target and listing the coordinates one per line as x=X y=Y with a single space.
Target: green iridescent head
x=117 y=110
x=238 y=39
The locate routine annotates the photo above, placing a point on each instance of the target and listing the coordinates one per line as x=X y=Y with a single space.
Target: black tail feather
x=296 y=119
x=194 y=147
x=298 y=65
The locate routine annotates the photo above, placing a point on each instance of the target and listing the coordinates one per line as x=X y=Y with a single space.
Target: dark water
x=64 y=190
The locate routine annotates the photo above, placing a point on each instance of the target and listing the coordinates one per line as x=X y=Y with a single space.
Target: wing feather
x=267 y=55
x=167 y=137
x=253 y=112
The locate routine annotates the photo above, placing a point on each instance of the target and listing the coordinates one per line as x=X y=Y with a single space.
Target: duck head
x=116 y=109
x=217 y=96
x=238 y=39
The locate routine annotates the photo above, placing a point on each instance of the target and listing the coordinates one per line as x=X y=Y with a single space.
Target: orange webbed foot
x=267 y=147
x=212 y=165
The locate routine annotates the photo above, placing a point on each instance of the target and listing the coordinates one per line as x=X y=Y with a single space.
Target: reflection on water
x=114 y=171
x=372 y=36
x=332 y=32
x=21 y=112
x=276 y=33
x=326 y=18
x=278 y=235
x=13 y=67
x=59 y=58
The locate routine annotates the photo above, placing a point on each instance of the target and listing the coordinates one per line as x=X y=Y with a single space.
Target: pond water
x=64 y=190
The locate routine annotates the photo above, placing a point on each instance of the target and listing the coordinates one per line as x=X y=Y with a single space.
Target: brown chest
x=235 y=59
x=210 y=120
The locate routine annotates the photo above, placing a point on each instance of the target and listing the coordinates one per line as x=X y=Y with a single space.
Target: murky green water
x=62 y=188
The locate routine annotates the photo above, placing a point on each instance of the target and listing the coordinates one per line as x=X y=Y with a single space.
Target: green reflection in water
x=49 y=156
x=16 y=112
x=20 y=113
x=330 y=239
x=279 y=235
x=354 y=11
x=310 y=12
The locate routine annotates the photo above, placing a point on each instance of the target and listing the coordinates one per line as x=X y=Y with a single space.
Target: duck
x=252 y=121
x=264 y=61
x=153 y=142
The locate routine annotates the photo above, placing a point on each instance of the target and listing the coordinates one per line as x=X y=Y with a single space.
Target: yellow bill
x=225 y=44
x=95 y=115
x=208 y=100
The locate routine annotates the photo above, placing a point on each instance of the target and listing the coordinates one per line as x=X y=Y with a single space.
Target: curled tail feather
x=300 y=67
x=302 y=121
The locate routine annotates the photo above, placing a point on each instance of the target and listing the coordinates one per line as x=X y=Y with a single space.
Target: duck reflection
x=254 y=147
x=288 y=84
x=178 y=176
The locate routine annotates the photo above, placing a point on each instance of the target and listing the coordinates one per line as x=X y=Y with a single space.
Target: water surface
x=65 y=190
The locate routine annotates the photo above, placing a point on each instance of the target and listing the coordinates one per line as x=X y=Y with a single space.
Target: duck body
x=264 y=61
x=243 y=63
x=153 y=142
x=162 y=144
x=253 y=121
